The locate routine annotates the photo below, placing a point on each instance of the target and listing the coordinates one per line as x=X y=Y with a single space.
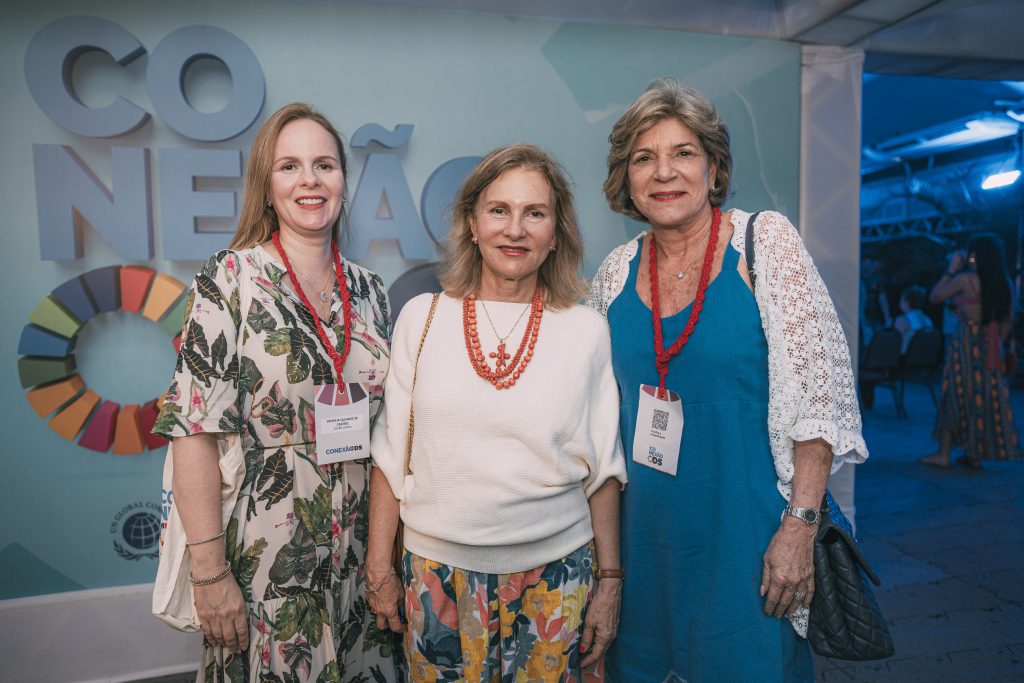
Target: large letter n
x=66 y=189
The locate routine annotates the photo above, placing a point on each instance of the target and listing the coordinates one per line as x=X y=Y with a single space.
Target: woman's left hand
x=386 y=602
x=602 y=622
x=787 y=581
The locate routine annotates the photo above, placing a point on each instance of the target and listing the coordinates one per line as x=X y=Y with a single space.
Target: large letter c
x=50 y=59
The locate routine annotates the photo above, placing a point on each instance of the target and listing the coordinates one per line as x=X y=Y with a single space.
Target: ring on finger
x=800 y=595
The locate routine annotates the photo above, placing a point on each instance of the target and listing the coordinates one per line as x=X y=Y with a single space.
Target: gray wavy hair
x=666 y=98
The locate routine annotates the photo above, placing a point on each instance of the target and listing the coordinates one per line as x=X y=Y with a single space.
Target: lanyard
x=346 y=306
x=661 y=355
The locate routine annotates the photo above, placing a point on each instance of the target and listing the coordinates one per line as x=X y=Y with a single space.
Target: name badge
x=659 y=429
x=342 y=413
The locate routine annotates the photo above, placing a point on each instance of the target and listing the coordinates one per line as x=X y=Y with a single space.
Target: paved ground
x=949 y=548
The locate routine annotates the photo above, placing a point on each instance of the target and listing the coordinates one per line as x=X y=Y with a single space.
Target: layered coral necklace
x=507 y=369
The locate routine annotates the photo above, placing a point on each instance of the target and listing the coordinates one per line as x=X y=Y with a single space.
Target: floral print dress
x=297 y=536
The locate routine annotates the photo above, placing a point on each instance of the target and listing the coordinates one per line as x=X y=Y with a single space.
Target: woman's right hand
x=222 y=614
x=386 y=601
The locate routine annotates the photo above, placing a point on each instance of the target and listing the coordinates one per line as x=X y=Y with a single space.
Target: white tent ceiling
x=951 y=38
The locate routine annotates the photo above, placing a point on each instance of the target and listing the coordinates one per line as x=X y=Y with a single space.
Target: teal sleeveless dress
x=692 y=544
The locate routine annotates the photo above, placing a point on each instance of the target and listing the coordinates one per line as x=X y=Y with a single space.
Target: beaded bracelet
x=383 y=582
x=208 y=580
x=204 y=540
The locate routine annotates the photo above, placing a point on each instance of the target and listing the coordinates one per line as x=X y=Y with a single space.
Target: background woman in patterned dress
x=281 y=590
x=975 y=411
x=511 y=493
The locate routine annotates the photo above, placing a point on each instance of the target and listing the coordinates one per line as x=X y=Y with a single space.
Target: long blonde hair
x=258 y=220
x=461 y=268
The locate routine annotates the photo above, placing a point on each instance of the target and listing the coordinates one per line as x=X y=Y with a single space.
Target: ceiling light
x=1000 y=180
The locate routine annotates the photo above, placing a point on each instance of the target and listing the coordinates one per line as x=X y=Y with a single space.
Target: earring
x=552 y=247
x=473 y=239
x=269 y=205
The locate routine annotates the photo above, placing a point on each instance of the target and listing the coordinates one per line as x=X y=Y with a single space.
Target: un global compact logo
x=47 y=362
x=136 y=531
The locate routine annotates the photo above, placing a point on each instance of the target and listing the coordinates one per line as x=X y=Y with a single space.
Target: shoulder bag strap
x=415 y=367
x=749 y=248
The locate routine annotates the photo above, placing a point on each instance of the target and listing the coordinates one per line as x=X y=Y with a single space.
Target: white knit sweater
x=499 y=480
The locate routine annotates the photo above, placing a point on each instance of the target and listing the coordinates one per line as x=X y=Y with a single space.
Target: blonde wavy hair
x=666 y=98
x=462 y=264
x=258 y=221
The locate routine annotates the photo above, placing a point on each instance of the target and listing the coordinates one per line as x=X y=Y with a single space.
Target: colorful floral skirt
x=502 y=628
x=975 y=406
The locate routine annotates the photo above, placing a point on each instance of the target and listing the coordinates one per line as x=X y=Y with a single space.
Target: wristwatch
x=809 y=516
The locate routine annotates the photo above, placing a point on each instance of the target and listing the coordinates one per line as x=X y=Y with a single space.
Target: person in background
x=736 y=405
x=912 y=318
x=282 y=589
x=974 y=411
x=875 y=312
x=510 y=496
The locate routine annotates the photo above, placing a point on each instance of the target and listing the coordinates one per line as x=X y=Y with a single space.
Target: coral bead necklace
x=506 y=372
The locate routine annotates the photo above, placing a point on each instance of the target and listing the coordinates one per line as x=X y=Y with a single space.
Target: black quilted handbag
x=845 y=621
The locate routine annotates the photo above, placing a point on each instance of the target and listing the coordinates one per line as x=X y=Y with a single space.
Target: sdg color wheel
x=59 y=395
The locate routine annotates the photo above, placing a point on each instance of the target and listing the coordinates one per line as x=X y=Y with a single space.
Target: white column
x=830 y=121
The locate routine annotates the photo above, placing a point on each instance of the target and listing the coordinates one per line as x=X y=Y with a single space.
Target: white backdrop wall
x=465 y=82
x=830 y=86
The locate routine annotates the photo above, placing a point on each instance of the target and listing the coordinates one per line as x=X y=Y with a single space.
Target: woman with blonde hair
x=499 y=446
x=738 y=400
x=272 y=323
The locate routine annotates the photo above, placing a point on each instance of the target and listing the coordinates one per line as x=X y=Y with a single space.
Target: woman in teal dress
x=737 y=402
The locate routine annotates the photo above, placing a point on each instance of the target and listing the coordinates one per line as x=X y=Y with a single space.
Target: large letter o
x=165 y=78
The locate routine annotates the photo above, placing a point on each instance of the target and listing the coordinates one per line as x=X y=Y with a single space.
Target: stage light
x=1000 y=180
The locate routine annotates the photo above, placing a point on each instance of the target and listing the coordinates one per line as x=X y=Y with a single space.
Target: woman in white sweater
x=509 y=489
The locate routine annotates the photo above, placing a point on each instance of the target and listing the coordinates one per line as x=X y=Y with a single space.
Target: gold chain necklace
x=322 y=291
x=501 y=356
x=695 y=252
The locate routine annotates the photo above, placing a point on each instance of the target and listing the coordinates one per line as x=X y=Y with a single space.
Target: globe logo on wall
x=136 y=531
x=141 y=531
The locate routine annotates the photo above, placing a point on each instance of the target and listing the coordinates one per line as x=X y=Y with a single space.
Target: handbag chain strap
x=415 y=367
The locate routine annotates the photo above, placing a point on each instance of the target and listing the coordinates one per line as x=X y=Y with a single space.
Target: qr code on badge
x=660 y=420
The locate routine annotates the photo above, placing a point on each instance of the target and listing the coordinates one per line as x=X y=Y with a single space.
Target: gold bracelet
x=208 y=580
x=203 y=540
x=611 y=574
x=383 y=582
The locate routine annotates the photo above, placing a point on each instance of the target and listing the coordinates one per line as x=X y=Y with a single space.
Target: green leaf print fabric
x=298 y=531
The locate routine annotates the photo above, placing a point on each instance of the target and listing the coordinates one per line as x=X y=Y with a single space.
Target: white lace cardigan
x=810 y=379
